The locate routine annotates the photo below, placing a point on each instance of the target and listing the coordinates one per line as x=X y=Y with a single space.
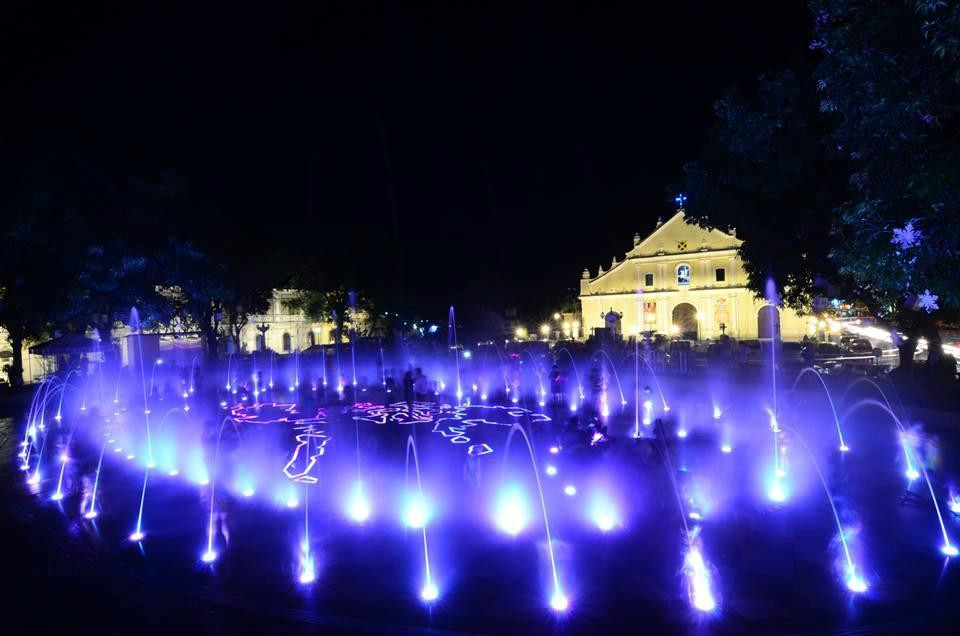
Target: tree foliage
x=889 y=77
x=763 y=173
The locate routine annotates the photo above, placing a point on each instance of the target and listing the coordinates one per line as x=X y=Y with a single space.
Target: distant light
x=136 y=536
x=570 y=490
x=949 y=549
x=682 y=433
x=209 y=556
x=432 y=329
x=554 y=450
x=57 y=496
x=292 y=502
x=726 y=448
x=844 y=448
x=248 y=492
x=551 y=470
x=174 y=472
x=912 y=473
x=90 y=514
x=467 y=354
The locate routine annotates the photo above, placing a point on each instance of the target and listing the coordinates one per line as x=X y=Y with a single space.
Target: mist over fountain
x=598 y=459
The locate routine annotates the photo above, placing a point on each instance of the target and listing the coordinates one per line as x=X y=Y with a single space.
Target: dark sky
x=431 y=153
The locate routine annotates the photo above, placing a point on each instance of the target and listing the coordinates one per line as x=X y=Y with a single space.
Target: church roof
x=678 y=235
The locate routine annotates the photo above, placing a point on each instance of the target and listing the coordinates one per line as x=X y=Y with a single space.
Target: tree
x=764 y=173
x=339 y=306
x=889 y=78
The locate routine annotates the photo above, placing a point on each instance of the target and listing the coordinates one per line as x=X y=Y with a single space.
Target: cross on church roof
x=680 y=199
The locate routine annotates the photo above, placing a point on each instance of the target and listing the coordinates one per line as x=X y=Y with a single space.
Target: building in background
x=685 y=281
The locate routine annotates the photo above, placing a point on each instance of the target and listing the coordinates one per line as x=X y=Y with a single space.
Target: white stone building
x=682 y=280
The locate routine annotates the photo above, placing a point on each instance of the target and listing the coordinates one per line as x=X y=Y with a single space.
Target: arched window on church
x=261 y=342
x=311 y=338
x=683 y=274
x=286 y=343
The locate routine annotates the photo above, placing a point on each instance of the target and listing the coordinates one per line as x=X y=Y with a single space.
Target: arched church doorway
x=768 y=322
x=685 y=320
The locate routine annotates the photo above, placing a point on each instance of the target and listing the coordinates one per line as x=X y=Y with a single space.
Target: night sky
x=478 y=154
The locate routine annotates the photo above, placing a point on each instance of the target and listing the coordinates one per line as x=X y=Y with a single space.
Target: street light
x=545 y=330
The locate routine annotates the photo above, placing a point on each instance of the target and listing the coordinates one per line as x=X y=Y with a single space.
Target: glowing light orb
x=174 y=472
x=551 y=470
x=682 y=433
x=855 y=582
x=666 y=408
x=35 y=479
x=248 y=492
x=292 y=502
x=307 y=575
x=554 y=450
x=57 y=417
x=483 y=396
x=844 y=448
x=950 y=550
x=777 y=492
x=416 y=512
x=573 y=407
x=429 y=592
x=151 y=464
x=64 y=458
x=570 y=490
x=358 y=508
x=209 y=556
x=512 y=514
x=136 y=536
x=726 y=448
x=559 y=602
x=90 y=514
x=542 y=403
x=130 y=455
x=57 y=496
x=604 y=516
x=912 y=473
x=955 y=506
x=204 y=481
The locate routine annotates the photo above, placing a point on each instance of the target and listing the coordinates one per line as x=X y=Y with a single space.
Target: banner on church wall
x=649 y=312
x=721 y=312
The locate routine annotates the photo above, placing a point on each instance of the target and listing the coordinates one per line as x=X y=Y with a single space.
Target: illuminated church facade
x=685 y=281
